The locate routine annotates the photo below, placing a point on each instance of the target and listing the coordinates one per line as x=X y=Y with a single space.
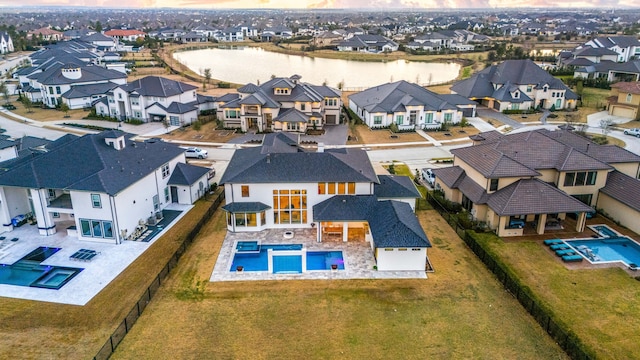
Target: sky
x=335 y=4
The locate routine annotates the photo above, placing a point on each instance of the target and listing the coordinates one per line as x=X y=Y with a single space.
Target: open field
x=40 y=330
x=599 y=305
x=459 y=312
x=207 y=133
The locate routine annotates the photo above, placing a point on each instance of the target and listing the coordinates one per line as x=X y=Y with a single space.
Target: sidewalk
x=429 y=138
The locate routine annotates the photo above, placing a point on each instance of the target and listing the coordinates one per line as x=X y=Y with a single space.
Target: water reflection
x=252 y=64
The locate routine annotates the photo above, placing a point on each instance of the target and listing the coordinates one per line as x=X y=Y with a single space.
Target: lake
x=243 y=65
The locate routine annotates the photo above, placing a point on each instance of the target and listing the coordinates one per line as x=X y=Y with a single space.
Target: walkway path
x=429 y=138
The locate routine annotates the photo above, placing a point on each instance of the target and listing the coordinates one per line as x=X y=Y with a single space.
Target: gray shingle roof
x=623 y=188
x=89 y=73
x=289 y=163
x=516 y=72
x=392 y=97
x=392 y=223
x=87 y=163
x=393 y=186
x=187 y=174
x=81 y=91
x=246 y=207
x=532 y=196
x=157 y=86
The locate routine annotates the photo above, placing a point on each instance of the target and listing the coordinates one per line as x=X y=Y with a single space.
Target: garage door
x=468 y=112
x=623 y=111
x=331 y=119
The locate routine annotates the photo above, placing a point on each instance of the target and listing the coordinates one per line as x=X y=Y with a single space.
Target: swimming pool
x=28 y=271
x=288 y=261
x=604 y=231
x=608 y=250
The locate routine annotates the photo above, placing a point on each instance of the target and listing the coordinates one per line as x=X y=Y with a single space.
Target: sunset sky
x=331 y=4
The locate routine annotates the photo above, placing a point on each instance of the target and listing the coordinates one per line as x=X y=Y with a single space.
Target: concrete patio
x=96 y=274
x=358 y=259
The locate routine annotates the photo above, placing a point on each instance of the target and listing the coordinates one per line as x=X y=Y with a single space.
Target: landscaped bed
x=459 y=312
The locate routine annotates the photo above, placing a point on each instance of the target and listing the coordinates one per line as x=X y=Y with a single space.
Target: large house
x=46 y=34
x=532 y=180
x=627 y=47
x=281 y=104
x=279 y=185
x=516 y=85
x=408 y=105
x=625 y=100
x=100 y=187
x=368 y=43
x=154 y=98
x=77 y=85
x=6 y=44
x=125 y=34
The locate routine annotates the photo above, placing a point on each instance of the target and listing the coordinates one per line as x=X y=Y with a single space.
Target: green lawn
x=599 y=305
x=595 y=98
x=459 y=312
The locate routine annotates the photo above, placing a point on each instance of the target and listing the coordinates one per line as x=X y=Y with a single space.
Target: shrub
x=197 y=126
x=224 y=85
x=393 y=127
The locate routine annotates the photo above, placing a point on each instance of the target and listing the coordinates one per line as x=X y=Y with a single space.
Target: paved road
x=487 y=113
x=17 y=129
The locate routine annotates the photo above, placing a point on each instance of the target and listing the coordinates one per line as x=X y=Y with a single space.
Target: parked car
x=428 y=176
x=633 y=132
x=196 y=153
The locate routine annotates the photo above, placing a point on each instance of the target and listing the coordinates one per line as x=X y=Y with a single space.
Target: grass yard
x=39 y=114
x=459 y=312
x=454 y=133
x=600 y=305
x=40 y=330
x=595 y=98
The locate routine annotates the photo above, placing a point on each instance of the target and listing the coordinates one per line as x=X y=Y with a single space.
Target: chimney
x=268 y=158
x=320 y=147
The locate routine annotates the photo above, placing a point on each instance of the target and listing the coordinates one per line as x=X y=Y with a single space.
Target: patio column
x=581 y=221
x=5 y=217
x=542 y=221
x=46 y=226
x=345 y=231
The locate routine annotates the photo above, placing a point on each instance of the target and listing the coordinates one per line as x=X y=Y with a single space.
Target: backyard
x=36 y=330
x=598 y=304
x=453 y=314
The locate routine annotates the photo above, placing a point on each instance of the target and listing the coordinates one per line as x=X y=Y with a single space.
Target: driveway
x=487 y=113
x=333 y=135
x=480 y=124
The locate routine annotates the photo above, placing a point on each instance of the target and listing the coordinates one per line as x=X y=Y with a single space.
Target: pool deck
x=358 y=259
x=111 y=260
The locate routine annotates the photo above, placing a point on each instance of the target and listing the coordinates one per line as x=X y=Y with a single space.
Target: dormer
x=281 y=91
x=545 y=87
x=116 y=142
x=516 y=94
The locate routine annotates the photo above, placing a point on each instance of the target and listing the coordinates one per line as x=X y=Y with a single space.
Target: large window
x=96 y=228
x=245 y=190
x=340 y=188
x=399 y=119
x=377 y=120
x=428 y=118
x=580 y=178
x=167 y=198
x=290 y=206
x=585 y=198
x=629 y=96
x=232 y=114
x=96 y=202
x=165 y=170
x=448 y=117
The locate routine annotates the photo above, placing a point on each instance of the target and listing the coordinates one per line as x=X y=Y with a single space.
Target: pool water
x=609 y=249
x=605 y=231
x=28 y=271
x=322 y=260
x=259 y=261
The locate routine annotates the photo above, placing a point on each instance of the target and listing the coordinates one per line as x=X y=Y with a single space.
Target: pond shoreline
x=166 y=56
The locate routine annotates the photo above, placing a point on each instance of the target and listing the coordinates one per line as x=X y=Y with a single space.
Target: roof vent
x=268 y=158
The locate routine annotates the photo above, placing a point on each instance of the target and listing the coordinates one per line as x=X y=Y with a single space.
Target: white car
x=196 y=153
x=633 y=132
x=428 y=176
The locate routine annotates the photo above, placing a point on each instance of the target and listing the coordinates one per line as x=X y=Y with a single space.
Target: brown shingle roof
x=455 y=178
x=628 y=87
x=449 y=175
x=532 y=196
x=623 y=188
x=492 y=163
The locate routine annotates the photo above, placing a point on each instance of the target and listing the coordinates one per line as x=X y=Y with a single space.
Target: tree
x=5 y=92
x=27 y=104
x=98 y=26
x=65 y=109
x=207 y=75
x=605 y=125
